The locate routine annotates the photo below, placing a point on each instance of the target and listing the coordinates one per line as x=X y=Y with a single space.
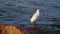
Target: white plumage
x=35 y=16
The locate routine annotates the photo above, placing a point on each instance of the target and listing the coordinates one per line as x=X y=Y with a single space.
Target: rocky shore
x=8 y=29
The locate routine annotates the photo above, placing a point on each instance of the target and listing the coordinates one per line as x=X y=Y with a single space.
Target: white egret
x=35 y=16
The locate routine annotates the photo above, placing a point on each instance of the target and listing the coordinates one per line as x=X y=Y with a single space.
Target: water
x=16 y=12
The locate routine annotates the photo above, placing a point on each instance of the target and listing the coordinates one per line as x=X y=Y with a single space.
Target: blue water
x=16 y=12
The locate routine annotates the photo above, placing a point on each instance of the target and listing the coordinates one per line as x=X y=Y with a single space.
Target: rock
x=10 y=30
x=7 y=29
x=32 y=30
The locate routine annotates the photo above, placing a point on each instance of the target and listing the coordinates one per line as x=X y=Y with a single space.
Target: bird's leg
x=35 y=25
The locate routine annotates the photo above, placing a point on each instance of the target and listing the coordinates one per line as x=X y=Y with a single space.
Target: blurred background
x=18 y=13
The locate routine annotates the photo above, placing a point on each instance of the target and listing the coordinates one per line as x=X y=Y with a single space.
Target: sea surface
x=19 y=12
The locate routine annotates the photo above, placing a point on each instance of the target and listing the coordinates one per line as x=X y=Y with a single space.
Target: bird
x=35 y=16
